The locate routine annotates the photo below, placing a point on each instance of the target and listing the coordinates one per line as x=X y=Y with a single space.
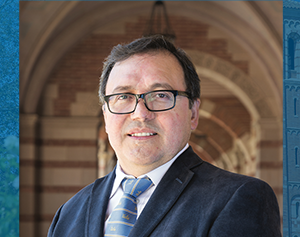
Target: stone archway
x=49 y=31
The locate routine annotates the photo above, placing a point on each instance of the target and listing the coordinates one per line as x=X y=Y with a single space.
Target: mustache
x=142 y=125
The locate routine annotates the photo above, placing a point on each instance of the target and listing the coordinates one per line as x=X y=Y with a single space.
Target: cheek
x=177 y=121
x=113 y=125
x=181 y=124
x=175 y=125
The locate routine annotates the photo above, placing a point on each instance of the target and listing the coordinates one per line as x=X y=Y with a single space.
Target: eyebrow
x=152 y=87
x=122 y=88
x=162 y=85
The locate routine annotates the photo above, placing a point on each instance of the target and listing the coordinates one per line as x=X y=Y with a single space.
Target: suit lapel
x=98 y=202
x=166 y=194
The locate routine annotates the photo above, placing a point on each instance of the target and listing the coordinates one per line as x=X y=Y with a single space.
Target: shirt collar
x=155 y=175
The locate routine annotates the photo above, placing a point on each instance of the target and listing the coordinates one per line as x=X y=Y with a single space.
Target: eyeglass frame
x=142 y=96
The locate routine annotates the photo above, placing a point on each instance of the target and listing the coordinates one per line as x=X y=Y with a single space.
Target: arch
x=48 y=30
x=234 y=87
x=295 y=208
x=294 y=36
x=238 y=145
x=292 y=54
x=74 y=20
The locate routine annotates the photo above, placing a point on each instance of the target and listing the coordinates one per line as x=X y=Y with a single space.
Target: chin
x=143 y=157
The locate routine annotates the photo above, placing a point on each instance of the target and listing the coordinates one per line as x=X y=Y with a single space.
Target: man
x=150 y=93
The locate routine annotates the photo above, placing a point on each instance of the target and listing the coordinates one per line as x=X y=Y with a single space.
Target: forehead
x=146 y=72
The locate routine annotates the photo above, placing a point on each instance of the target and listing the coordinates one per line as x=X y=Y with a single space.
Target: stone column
x=28 y=153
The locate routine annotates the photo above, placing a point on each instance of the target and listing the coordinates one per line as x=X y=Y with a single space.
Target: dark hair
x=149 y=44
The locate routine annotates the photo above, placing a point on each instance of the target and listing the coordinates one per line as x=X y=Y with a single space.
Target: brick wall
x=60 y=151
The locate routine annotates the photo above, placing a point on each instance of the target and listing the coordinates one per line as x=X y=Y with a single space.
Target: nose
x=141 y=112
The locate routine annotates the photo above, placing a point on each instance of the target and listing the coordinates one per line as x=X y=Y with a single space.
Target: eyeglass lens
x=155 y=101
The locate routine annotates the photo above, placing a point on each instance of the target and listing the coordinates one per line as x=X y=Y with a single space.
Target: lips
x=142 y=134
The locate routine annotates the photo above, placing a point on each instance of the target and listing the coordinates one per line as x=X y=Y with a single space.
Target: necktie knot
x=135 y=187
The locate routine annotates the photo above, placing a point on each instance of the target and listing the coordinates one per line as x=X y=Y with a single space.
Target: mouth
x=142 y=134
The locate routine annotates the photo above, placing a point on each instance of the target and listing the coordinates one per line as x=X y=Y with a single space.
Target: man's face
x=144 y=140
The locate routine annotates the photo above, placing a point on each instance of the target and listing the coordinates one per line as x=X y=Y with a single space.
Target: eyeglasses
x=155 y=101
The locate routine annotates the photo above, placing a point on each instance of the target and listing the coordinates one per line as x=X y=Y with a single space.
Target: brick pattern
x=78 y=72
x=233 y=114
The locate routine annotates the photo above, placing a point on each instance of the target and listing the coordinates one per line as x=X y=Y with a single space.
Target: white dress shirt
x=155 y=176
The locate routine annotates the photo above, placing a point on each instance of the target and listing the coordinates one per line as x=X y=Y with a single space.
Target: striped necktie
x=124 y=214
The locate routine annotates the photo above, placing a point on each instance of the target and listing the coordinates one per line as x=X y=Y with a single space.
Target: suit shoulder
x=223 y=178
x=209 y=176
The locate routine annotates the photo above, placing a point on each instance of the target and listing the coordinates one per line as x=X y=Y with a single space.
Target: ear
x=195 y=114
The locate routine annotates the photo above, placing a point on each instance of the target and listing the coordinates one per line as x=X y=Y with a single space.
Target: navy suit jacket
x=194 y=198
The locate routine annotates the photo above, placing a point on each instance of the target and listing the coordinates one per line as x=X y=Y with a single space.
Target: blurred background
x=235 y=46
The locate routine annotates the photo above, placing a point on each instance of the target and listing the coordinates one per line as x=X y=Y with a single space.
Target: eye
x=163 y=96
x=122 y=97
